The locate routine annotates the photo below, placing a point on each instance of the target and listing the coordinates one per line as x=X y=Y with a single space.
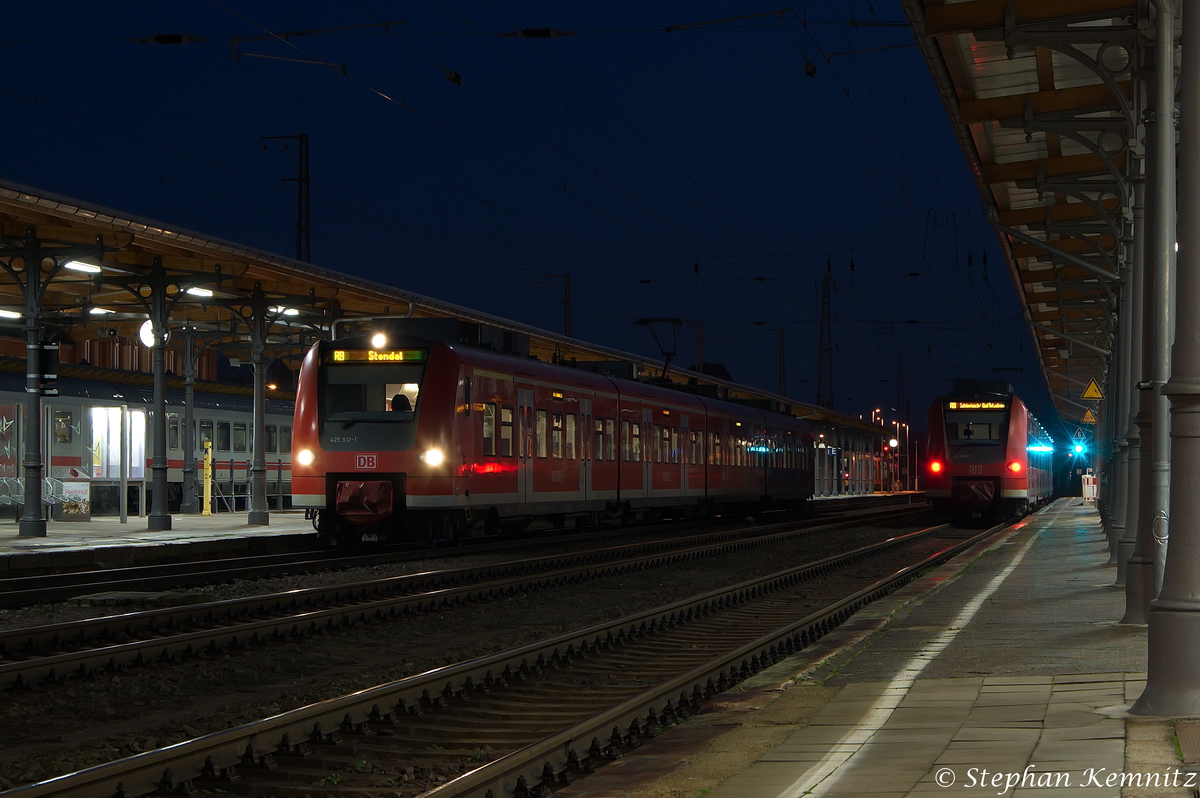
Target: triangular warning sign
x=1089 y=417
x=1092 y=392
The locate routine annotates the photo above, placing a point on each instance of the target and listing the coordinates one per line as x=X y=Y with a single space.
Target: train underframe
x=975 y=501
x=373 y=511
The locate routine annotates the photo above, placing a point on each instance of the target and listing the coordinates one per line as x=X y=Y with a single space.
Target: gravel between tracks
x=54 y=730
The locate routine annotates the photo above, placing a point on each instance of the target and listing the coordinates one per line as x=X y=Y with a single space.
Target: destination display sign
x=975 y=405
x=375 y=356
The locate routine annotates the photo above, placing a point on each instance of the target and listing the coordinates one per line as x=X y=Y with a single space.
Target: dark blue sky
x=699 y=173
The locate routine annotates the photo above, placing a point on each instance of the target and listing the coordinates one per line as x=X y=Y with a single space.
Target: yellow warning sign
x=1092 y=392
x=1089 y=417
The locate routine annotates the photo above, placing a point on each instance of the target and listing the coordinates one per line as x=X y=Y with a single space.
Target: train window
x=506 y=432
x=973 y=432
x=272 y=439
x=610 y=437
x=206 y=433
x=569 y=445
x=172 y=431
x=674 y=444
x=556 y=437
x=373 y=392
x=540 y=433
x=466 y=396
x=692 y=447
x=489 y=430
x=635 y=443
x=239 y=436
x=625 y=441
x=223 y=436
x=62 y=426
x=598 y=442
x=285 y=439
x=654 y=445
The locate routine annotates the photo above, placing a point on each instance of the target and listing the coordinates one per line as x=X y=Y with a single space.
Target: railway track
x=41 y=587
x=57 y=652
x=536 y=716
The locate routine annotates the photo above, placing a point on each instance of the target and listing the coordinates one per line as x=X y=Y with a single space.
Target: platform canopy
x=212 y=284
x=1042 y=99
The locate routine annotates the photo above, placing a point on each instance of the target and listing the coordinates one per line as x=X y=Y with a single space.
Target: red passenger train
x=987 y=456
x=420 y=438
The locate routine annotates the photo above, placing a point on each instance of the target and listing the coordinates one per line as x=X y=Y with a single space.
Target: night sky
x=699 y=173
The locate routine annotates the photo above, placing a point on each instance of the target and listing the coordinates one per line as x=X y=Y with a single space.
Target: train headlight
x=305 y=457
x=433 y=457
x=379 y=340
x=1015 y=467
x=935 y=466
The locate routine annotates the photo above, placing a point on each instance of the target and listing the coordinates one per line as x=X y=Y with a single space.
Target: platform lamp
x=154 y=336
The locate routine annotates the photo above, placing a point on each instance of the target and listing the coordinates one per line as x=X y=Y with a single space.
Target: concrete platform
x=108 y=543
x=1003 y=672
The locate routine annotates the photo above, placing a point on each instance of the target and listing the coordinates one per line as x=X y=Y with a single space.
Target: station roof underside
x=1041 y=97
x=303 y=299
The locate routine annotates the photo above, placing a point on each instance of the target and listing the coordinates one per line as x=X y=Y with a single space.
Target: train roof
x=142 y=395
x=565 y=372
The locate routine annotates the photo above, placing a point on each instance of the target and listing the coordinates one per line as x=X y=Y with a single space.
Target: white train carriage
x=97 y=432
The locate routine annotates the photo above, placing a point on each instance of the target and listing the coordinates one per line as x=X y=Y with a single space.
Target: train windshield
x=976 y=428
x=377 y=392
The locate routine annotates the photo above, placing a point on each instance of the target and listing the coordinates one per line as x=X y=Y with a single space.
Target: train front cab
x=968 y=463
x=359 y=405
x=987 y=457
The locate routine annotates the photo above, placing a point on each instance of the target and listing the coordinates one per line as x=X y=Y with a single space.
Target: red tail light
x=1015 y=467
x=935 y=466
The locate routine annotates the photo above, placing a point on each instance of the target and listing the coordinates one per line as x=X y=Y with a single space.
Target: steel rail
x=21 y=591
x=255 y=747
x=552 y=761
x=237 y=623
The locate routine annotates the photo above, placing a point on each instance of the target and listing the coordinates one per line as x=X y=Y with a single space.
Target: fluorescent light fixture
x=10 y=314
x=80 y=266
x=194 y=291
x=284 y=311
x=100 y=311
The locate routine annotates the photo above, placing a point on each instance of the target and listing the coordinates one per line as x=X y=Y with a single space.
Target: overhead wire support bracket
x=238 y=56
x=286 y=36
x=685 y=25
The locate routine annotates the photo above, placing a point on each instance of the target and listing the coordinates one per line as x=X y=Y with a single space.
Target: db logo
x=974 y=469
x=362 y=461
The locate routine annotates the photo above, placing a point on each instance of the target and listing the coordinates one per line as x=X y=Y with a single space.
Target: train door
x=584 y=449
x=525 y=447
x=649 y=443
x=684 y=453
x=64 y=443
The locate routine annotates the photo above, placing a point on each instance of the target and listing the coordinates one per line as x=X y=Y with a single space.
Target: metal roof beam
x=967 y=17
x=1069 y=337
x=1074 y=260
x=1078 y=99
